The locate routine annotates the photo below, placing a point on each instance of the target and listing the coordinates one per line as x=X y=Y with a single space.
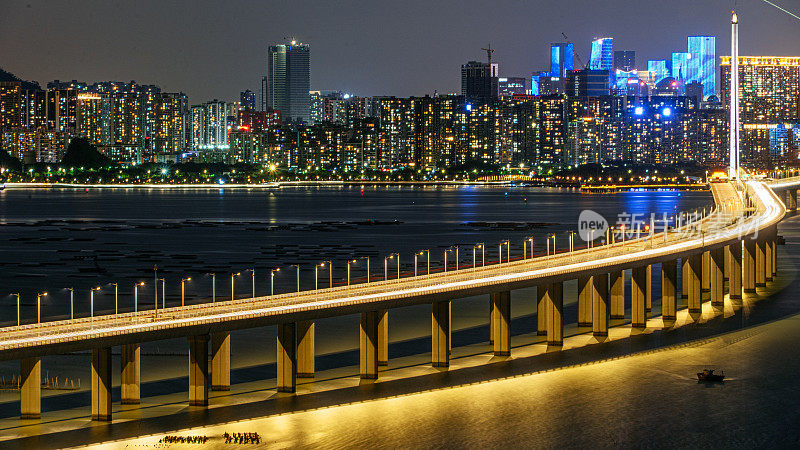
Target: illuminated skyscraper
x=562 y=59
x=680 y=65
x=602 y=55
x=702 y=66
x=288 y=81
x=210 y=127
x=659 y=69
x=624 y=60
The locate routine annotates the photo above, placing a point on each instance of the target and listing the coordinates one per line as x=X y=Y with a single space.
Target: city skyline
x=188 y=65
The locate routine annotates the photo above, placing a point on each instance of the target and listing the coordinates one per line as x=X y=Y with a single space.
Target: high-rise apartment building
x=702 y=67
x=248 y=99
x=210 y=130
x=288 y=81
x=769 y=105
x=624 y=60
x=602 y=54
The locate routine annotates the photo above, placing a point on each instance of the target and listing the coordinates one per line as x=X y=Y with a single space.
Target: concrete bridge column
x=383 y=337
x=501 y=316
x=440 y=334
x=726 y=271
x=130 y=380
x=735 y=270
x=287 y=357
x=695 y=299
x=368 y=338
x=716 y=270
x=198 y=370
x=30 y=394
x=768 y=258
x=600 y=305
x=749 y=265
x=705 y=279
x=554 y=298
x=792 y=193
x=585 y=301
x=648 y=299
x=669 y=285
x=221 y=361
x=774 y=245
x=761 y=262
x=305 y=349
x=101 y=384
x=617 y=283
x=639 y=297
x=685 y=278
x=541 y=311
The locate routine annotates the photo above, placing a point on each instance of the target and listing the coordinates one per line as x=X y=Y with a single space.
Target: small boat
x=709 y=375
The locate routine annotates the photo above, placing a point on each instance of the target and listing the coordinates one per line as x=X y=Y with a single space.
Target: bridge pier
x=501 y=318
x=705 y=278
x=617 y=283
x=440 y=334
x=101 y=384
x=554 y=298
x=639 y=290
x=585 y=301
x=749 y=265
x=368 y=340
x=774 y=245
x=685 y=278
x=761 y=262
x=287 y=357
x=30 y=394
x=221 y=361
x=305 y=349
x=648 y=299
x=130 y=379
x=669 y=285
x=769 y=240
x=734 y=269
x=541 y=311
x=716 y=282
x=792 y=193
x=198 y=370
x=600 y=305
x=694 y=282
x=383 y=337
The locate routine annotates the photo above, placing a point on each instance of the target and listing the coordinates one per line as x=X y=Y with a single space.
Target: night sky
x=217 y=49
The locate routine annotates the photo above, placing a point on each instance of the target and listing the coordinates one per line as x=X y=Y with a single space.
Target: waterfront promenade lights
x=183 y=288
x=272 y=280
x=483 y=253
x=135 y=296
x=233 y=279
x=253 y=275
x=297 y=266
x=91 y=301
x=445 y=257
x=528 y=240
x=316 y=275
x=428 y=253
x=39 y=306
x=116 y=297
x=17 y=295
x=71 y=303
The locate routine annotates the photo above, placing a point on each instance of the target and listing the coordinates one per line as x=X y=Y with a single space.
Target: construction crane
x=489 y=50
x=577 y=56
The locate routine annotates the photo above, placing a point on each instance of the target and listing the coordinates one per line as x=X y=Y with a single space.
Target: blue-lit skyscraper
x=680 y=65
x=659 y=69
x=602 y=55
x=562 y=59
x=702 y=64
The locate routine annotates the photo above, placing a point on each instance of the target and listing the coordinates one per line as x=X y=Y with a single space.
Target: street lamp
x=71 y=303
x=116 y=298
x=135 y=297
x=163 y=292
x=525 y=247
x=297 y=266
x=507 y=243
x=483 y=254
x=233 y=276
x=398 y=265
x=571 y=240
x=367 y=258
x=330 y=273
x=39 y=306
x=272 y=280
x=183 y=289
x=445 y=257
x=316 y=275
x=213 y=287
x=91 y=301
x=348 y=270
x=386 y=266
x=253 y=274
x=17 y=295
x=428 y=252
